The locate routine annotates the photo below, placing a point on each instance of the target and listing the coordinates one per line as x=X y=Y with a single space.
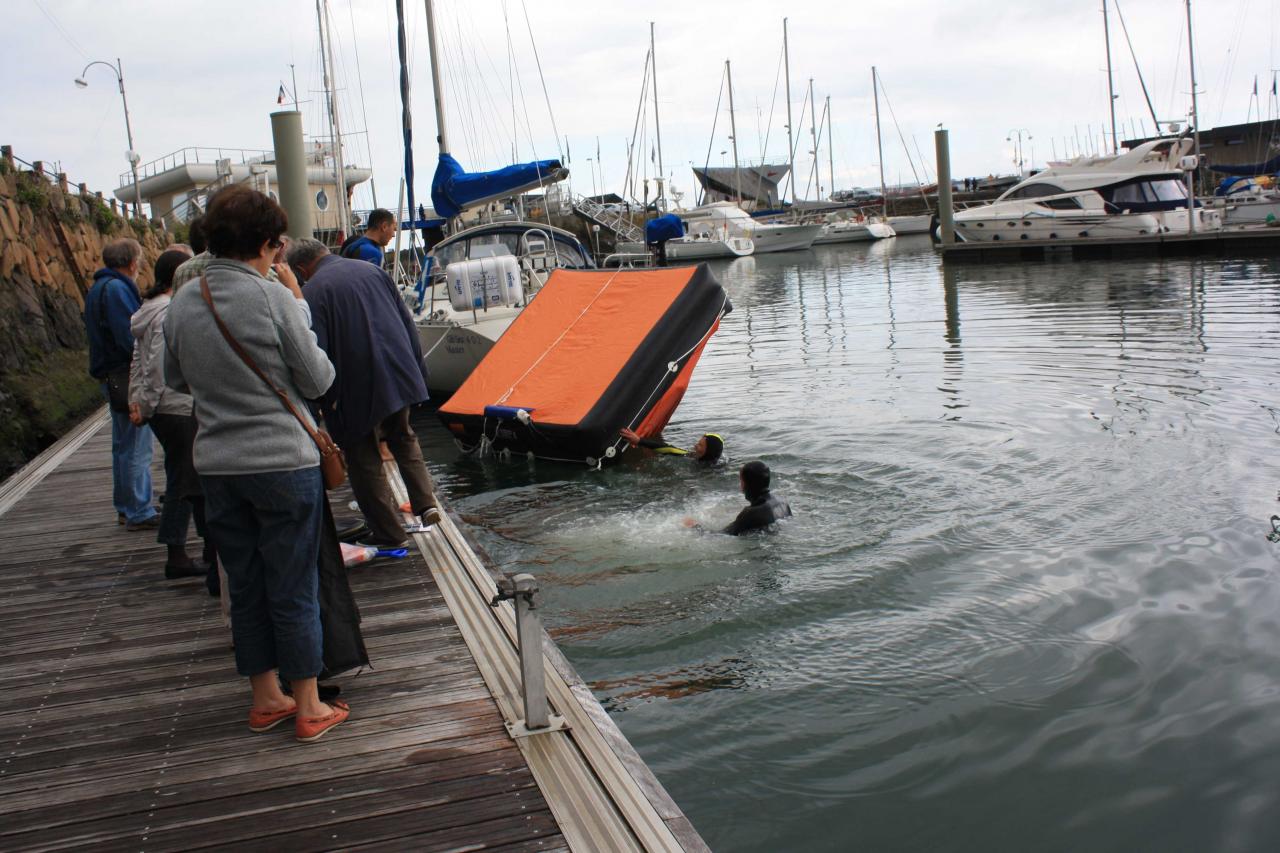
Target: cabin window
x=446 y=255
x=1071 y=203
x=1035 y=191
x=322 y=200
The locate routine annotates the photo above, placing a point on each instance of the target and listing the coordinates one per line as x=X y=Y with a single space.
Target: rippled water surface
x=1026 y=602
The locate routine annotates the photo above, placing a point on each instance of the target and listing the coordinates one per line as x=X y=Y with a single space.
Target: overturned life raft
x=592 y=353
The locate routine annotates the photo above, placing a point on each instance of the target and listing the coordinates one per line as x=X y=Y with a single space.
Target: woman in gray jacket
x=259 y=468
x=168 y=413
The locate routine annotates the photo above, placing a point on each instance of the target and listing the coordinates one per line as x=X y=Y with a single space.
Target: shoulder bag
x=333 y=465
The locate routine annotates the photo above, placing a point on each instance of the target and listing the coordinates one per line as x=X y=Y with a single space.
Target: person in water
x=708 y=450
x=765 y=508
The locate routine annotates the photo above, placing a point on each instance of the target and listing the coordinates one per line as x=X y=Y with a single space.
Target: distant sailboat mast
x=791 y=147
x=335 y=125
x=1111 y=92
x=733 y=135
x=831 y=152
x=884 y=194
x=657 y=124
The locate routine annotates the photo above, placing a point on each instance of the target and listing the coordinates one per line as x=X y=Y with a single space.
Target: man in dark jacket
x=362 y=324
x=108 y=306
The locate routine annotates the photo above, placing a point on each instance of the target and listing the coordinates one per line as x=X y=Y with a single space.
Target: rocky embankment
x=51 y=241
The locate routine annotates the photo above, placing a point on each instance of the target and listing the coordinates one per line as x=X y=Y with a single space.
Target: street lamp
x=1016 y=134
x=131 y=155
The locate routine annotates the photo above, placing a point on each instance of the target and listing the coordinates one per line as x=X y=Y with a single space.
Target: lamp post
x=131 y=154
x=1015 y=136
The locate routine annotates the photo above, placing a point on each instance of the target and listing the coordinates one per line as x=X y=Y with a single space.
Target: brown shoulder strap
x=244 y=356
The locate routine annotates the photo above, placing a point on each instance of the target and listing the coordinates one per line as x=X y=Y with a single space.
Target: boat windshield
x=1148 y=194
x=569 y=253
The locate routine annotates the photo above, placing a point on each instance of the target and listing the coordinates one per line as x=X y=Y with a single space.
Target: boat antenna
x=1111 y=92
x=1141 y=80
x=791 y=148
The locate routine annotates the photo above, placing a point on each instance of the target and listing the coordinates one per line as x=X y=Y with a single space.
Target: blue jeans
x=130 y=468
x=267 y=527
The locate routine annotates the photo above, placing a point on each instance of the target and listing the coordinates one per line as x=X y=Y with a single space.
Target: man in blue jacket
x=108 y=306
x=369 y=247
x=362 y=324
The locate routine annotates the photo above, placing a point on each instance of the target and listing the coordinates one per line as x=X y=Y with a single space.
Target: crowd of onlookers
x=243 y=344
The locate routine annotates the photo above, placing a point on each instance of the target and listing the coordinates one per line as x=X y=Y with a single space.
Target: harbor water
x=1027 y=601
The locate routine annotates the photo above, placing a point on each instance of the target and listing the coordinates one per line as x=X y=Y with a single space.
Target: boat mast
x=831 y=152
x=791 y=147
x=813 y=132
x=1111 y=92
x=884 y=193
x=335 y=126
x=657 y=125
x=733 y=135
x=1195 y=123
x=441 y=136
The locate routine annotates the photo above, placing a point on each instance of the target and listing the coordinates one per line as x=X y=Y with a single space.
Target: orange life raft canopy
x=592 y=353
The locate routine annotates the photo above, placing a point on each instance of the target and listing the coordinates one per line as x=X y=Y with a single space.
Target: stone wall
x=51 y=239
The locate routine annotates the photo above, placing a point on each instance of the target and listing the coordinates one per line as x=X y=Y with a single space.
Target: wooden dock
x=1231 y=242
x=122 y=725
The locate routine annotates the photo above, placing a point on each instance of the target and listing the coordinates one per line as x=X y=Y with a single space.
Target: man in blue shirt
x=381 y=231
x=108 y=306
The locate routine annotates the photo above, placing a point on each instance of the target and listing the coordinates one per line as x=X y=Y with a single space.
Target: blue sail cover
x=454 y=189
x=662 y=229
x=1249 y=170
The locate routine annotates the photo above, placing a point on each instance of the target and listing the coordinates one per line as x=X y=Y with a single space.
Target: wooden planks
x=122 y=722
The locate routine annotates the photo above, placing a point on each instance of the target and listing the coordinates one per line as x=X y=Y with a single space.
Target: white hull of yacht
x=910 y=224
x=697 y=249
x=451 y=349
x=1079 y=225
x=1252 y=212
x=853 y=232
x=783 y=238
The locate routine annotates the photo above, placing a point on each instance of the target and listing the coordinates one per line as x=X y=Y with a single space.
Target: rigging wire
x=546 y=95
x=66 y=35
x=910 y=161
x=628 y=186
x=364 y=114
x=712 y=141
x=1141 y=80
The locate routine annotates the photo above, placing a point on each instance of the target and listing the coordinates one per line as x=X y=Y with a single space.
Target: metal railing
x=184 y=156
x=615 y=220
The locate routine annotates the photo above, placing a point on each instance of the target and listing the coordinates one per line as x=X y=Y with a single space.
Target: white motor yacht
x=765 y=236
x=1131 y=194
x=477 y=282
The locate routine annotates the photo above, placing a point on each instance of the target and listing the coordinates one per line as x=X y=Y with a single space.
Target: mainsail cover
x=454 y=189
x=1250 y=169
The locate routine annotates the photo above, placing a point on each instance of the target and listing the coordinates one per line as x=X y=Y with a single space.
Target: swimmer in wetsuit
x=765 y=508
x=708 y=449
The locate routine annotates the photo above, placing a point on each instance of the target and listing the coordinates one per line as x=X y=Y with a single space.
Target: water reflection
x=1028 y=564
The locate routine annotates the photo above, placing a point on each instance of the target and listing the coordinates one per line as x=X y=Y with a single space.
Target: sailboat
x=903 y=225
x=477 y=279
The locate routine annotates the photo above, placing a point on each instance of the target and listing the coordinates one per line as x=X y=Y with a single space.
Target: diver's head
x=755 y=478
x=709 y=448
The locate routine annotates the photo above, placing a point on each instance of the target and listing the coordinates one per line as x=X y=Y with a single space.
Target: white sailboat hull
x=783 y=238
x=694 y=249
x=451 y=350
x=910 y=224
x=854 y=232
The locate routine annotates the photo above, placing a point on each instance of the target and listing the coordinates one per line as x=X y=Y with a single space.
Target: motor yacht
x=764 y=236
x=1131 y=194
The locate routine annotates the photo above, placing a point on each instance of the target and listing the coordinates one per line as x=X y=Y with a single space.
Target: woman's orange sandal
x=310 y=729
x=262 y=721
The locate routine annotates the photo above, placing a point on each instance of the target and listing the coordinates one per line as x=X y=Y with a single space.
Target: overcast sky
x=208 y=74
